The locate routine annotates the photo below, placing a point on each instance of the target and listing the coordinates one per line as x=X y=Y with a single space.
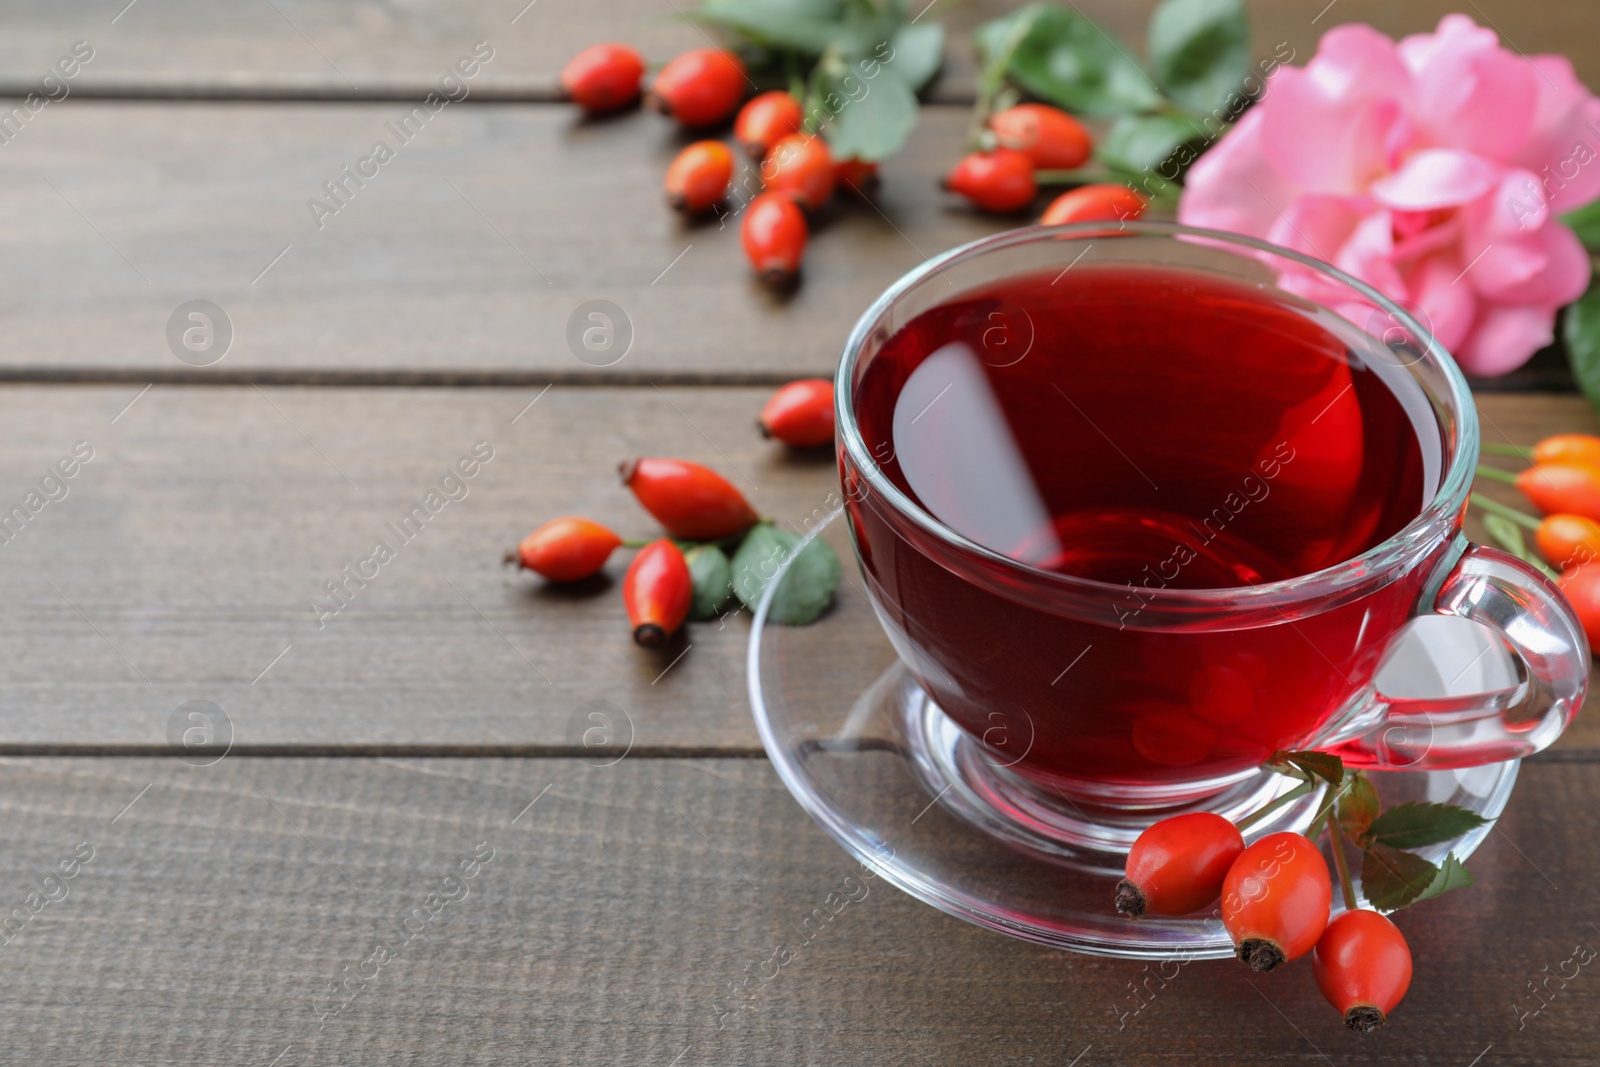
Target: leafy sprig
x=855 y=65
x=742 y=567
x=1393 y=876
x=1193 y=86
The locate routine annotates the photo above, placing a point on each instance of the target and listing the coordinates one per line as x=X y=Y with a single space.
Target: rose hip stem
x=1495 y=474
x=1076 y=176
x=1164 y=193
x=1340 y=863
x=1495 y=448
x=1294 y=794
x=1519 y=517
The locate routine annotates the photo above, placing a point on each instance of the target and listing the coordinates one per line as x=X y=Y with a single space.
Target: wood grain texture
x=618 y=909
x=365 y=48
x=465 y=260
x=470 y=251
x=187 y=554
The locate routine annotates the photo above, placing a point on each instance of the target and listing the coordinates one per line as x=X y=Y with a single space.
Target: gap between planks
x=398 y=378
x=364 y=750
x=1541 y=381
x=542 y=93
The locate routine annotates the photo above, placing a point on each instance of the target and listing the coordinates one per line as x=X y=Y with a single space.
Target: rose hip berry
x=1566 y=487
x=1568 y=448
x=801 y=167
x=566 y=549
x=698 y=178
x=603 y=77
x=694 y=503
x=700 y=88
x=1094 y=203
x=766 y=119
x=1581 y=587
x=856 y=175
x=657 y=591
x=1363 y=967
x=1177 y=865
x=1568 y=540
x=1048 y=136
x=1000 y=181
x=774 y=236
x=800 y=414
x=1275 y=900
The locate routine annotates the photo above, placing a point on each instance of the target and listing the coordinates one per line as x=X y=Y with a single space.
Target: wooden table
x=431 y=723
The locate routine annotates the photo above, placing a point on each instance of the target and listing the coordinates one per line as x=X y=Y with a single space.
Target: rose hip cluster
x=1563 y=482
x=698 y=508
x=701 y=89
x=1276 y=900
x=1277 y=895
x=1033 y=143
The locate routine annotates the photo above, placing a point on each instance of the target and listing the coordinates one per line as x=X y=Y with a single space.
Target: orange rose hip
x=566 y=549
x=774 y=236
x=800 y=414
x=697 y=180
x=657 y=591
x=694 y=503
x=603 y=77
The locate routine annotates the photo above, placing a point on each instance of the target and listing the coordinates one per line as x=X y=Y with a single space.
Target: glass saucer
x=874 y=760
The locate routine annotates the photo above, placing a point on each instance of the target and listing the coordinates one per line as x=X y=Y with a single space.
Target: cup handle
x=1537 y=625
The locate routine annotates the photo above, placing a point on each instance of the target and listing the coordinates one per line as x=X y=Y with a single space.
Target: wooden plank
x=467 y=259
x=364 y=48
x=617 y=911
x=471 y=251
x=186 y=555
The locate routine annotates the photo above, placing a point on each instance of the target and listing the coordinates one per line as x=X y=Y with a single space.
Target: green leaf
x=1451 y=876
x=1315 y=765
x=1144 y=142
x=1581 y=330
x=1419 y=823
x=807 y=586
x=1358 y=805
x=1200 y=50
x=712 y=576
x=996 y=42
x=1069 y=61
x=917 y=51
x=1585 y=222
x=804 y=26
x=871 y=119
x=1506 y=534
x=1391 y=879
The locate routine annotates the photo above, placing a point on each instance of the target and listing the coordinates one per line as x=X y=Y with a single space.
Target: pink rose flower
x=1431 y=169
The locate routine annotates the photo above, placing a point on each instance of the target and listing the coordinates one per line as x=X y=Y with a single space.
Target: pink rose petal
x=1369 y=255
x=1328 y=125
x=1431 y=169
x=1504 y=338
x=1454 y=32
x=1473 y=96
x=1559 y=275
x=1565 y=140
x=1232 y=186
x=1513 y=209
x=1436 y=178
x=1443 y=305
x=1317 y=226
x=1326 y=145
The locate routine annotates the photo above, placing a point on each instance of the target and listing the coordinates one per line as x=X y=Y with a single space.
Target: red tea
x=1146 y=428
